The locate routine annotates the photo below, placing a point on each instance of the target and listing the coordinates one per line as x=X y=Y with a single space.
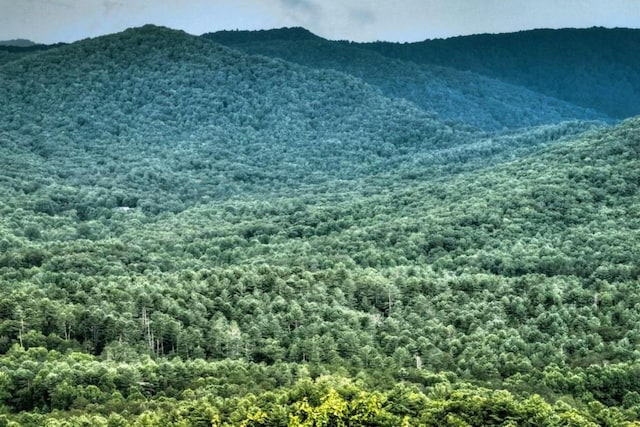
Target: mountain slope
x=162 y=120
x=459 y=96
x=592 y=67
x=515 y=276
x=242 y=118
x=11 y=52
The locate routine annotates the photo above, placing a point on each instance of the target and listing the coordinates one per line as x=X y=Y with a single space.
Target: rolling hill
x=240 y=118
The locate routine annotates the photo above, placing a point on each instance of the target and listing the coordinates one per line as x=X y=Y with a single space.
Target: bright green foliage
x=337 y=402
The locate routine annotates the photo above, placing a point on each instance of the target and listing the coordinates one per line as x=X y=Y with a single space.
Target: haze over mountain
x=17 y=43
x=192 y=234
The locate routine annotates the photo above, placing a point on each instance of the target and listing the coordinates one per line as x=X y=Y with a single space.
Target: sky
x=50 y=21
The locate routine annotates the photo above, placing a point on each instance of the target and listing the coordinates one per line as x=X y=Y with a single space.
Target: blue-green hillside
x=157 y=119
x=595 y=68
x=456 y=95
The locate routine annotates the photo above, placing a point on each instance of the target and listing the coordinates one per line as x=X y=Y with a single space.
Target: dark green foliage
x=592 y=67
x=454 y=94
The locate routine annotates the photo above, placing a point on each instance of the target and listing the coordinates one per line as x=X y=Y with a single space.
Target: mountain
x=230 y=114
x=454 y=95
x=10 y=52
x=17 y=43
x=127 y=103
x=592 y=67
x=191 y=235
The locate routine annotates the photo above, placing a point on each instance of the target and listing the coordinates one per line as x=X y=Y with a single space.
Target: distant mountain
x=10 y=52
x=127 y=103
x=594 y=68
x=17 y=43
x=235 y=37
x=458 y=96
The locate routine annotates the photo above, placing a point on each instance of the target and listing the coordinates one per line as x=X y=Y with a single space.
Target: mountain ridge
x=454 y=94
x=152 y=87
x=584 y=66
x=17 y=43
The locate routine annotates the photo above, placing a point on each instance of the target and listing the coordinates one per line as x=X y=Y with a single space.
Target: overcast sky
x=49 y=21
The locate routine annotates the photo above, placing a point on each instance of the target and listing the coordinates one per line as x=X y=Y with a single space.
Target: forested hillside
x=456 y=95
x=12 y=51
x=191 y=235
x=594 y=67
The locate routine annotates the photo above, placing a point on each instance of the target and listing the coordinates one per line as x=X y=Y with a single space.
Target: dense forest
x=588 y=67
x=454 y=92
x=259 y=235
